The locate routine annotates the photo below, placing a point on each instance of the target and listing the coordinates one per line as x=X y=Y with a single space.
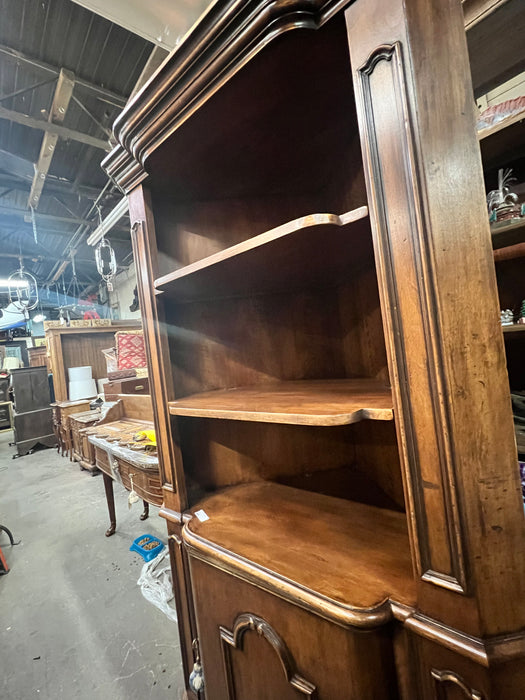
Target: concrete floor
x=73 y=622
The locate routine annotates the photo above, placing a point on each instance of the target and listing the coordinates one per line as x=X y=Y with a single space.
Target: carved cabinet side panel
x=405 y=276
x=159 y=369
x=433 y=259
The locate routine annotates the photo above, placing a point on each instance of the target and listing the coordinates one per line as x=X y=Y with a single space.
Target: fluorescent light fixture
x=114 y=216
x=13 y=283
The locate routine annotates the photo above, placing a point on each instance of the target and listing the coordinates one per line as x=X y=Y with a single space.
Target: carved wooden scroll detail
x=234 y=638
x=444 y=678
x=402 y=240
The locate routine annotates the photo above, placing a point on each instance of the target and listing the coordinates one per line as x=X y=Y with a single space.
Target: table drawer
x=146 y=483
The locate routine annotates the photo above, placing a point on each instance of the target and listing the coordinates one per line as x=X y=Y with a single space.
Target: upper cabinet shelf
x=503 y=142
x=312 y=250
x=495 y=31
x=318 y=402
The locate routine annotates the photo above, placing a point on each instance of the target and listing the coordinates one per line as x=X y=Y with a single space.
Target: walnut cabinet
x=326 y=361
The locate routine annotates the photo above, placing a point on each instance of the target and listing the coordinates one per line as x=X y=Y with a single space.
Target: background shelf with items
x=502 y=142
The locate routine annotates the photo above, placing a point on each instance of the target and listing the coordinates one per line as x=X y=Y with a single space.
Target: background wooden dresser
x=62 y=428
x=326 y=359
x=134 y=385
x=37 y=356
x=82 y=450
x=79 y=347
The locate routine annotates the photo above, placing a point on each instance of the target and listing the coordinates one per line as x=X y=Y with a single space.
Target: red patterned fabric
x=130 y=349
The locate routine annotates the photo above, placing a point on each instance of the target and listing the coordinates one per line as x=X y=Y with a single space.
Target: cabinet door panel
x=258 y=664
x=255 y=646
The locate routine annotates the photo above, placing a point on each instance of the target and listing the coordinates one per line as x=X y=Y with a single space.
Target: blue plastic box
x=147 y=546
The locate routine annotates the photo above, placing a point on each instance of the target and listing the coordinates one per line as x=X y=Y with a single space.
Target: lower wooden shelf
x=343 y=560
x=315 y=402
x=508 y=234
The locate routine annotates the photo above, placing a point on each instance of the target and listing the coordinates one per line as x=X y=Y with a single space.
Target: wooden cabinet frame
x=416 y=193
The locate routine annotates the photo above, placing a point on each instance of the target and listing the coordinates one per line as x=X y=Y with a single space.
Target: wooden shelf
x=502 y=125
x=495 y=31
x=503 y=142
x=345 y=559
x=316 y=402
x=505 y=235
x=312 y=250
x=517 y=328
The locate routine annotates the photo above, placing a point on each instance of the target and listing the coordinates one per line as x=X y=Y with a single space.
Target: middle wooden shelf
x=312 y=250
x=304 y=402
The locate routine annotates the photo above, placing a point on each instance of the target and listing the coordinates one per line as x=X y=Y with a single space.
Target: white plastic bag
x=156 y=584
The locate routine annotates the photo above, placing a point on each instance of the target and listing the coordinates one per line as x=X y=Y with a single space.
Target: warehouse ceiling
x=164 y=22
x=65 y=74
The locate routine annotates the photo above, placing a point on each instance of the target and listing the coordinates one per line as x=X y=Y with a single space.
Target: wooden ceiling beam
x=54 y=186
x=62 y=131
x=23 y=213
x=61 y=99
x=104 y=94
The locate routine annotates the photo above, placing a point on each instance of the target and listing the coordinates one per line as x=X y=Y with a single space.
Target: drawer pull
x=139 y=387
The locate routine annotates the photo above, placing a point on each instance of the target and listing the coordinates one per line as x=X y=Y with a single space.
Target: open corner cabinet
x=334 y=426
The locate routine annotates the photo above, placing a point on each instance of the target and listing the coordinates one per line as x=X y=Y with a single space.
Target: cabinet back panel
x=243 y=165
x=330 y=333
x=255 y=340
x=189 y=232
x=86 y=349
x=242 y=141
x=358 y=462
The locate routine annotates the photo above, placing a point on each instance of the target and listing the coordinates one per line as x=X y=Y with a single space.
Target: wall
x=121 y=298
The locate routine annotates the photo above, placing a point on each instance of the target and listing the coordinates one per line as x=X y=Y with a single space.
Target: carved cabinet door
x=257 y=646
x=258 y=663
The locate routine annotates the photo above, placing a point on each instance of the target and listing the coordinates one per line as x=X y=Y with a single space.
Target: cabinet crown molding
x=226 y=37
